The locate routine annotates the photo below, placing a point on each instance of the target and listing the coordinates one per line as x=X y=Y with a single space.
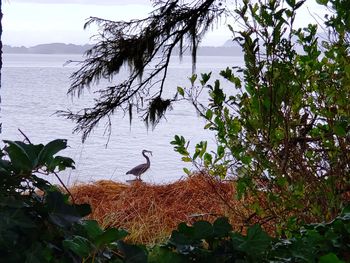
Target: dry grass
x=150 y=212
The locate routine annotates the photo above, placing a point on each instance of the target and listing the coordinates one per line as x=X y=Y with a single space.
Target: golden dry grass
x=150 y=212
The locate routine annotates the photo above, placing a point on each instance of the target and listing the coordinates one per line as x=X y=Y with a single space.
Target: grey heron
x=141 y=168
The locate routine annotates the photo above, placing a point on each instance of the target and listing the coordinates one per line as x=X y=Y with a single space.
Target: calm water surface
x=34 y=87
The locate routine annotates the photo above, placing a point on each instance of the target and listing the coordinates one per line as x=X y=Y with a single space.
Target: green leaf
x=205 y=78
x=255 y=243
x=346 y=211
x=208 y=158
x=339 y=129
x=209 y=114
x=220 y=151
x=227 y=74
x=16 y=218
x=50 y=149
x=92 y=228
x=217 y=94
x=188 y=172
x=110 y=235
x=132 y=253
x=322 y=2
x=241 y=187
x=193 y=79
x=246 y=159
x=32 y=151
x=207 y=126
x=60 y=162
x=299 y=4
x=82 y=209
x=330 y=258
x=202 y=230
x=185 y=229
x=291 y=3
x=79 y=245
x=279 y=134
x=186 y=159
x=163 y=254
x=181 y=91
x=202 y=147
x=63 y=214
x=18 y=156
x=222 y=227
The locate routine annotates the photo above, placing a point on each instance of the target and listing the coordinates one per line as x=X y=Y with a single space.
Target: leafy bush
x=205 y=242
x=38 y=223
x=283 y=123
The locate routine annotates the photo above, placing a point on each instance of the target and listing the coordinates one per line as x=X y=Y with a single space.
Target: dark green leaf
x=291 y=3
x=92 y=228
x=63 y=214
x=222 y=227
x=205 y=78
x=330 y=258
x=109 y=236
x=322 y=2
x=256 y=242
x=339 y=129
x=79 y=245
x=132 y=253
x=220 y=151
x=60 y=162
x=50 y=149
x=18 y=156
x=202 y=230
x=163 y=254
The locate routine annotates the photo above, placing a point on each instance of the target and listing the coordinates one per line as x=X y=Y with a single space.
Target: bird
x=141 y=168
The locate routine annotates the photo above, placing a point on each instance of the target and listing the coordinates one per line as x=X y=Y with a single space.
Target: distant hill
x=61 y=48
x=53 y=48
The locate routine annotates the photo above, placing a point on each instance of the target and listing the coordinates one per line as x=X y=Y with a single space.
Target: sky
x=31 y=22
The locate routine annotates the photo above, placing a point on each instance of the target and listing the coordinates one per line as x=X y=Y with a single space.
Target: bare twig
x=25 y=136
x=64 y=186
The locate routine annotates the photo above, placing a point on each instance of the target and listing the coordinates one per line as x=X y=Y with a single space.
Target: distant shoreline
x=61 y=48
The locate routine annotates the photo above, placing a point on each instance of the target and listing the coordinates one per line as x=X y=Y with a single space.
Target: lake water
x=34 y=87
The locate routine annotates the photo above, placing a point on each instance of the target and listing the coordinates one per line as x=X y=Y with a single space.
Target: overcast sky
x=32 y=22
x=84 y=2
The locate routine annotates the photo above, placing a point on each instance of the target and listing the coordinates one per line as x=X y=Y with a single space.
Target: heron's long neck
x=147 y=159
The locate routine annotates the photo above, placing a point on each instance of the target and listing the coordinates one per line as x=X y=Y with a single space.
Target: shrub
x=283 y=123
x=38 y=223
x=205 y=242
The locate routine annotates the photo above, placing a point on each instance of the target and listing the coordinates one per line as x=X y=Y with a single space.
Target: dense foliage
x=205 y=242
x=38 y=223
x=283 y=122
